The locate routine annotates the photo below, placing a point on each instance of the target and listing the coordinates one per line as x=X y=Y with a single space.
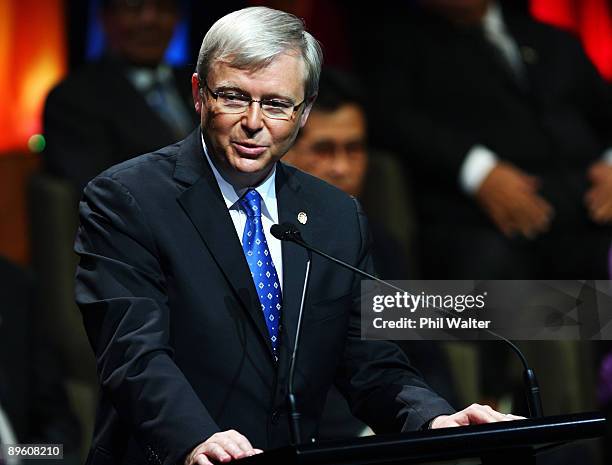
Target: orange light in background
x=590 y=19
x=32 y=60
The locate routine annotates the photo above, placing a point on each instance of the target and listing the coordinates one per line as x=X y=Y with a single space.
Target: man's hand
x=222 y=447
x=473 y=415
x=599 y=197
x=510 y=198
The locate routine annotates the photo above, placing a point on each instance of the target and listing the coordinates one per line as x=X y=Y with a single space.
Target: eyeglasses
x=235 y=102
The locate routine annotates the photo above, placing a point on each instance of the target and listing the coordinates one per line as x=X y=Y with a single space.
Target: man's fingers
x=532 y=215
x=217 y=452
x=223 y=447
x=472 y=415
x=242 y=442
x=481 y=414
x=233 y=448
x=201 y=459
x=498 y=416
x=529 y=182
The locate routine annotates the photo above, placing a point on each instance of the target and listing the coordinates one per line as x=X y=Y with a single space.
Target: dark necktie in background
x=163 y=97
x=159 y=89
x=505 y=52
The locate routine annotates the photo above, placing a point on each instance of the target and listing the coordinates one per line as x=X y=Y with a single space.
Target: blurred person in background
x=126 y=103
x=509 y=127
x=333 y=146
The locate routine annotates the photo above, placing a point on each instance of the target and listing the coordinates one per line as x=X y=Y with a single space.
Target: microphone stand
x=294 y=414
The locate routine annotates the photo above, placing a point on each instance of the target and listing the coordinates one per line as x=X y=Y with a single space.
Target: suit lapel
x=204 y=205
x=290 y=203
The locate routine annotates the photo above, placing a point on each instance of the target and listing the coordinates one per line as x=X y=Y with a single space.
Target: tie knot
x=251 y=202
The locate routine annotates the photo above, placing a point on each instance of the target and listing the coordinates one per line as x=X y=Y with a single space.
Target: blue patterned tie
x=262 y=268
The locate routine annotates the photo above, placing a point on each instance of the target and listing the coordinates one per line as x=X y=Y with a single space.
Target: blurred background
x=87 y=84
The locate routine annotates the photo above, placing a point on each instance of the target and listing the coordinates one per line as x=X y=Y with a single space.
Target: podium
x=514 y=442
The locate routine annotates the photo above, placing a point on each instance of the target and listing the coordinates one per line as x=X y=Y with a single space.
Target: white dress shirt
x=269 y=210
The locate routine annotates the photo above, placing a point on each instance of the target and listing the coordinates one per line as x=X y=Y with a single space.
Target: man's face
x=140 y=30
x=246 y=145
x=459 y=11
x=332 y=146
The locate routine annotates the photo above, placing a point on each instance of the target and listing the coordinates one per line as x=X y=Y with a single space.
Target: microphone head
x=286 y=232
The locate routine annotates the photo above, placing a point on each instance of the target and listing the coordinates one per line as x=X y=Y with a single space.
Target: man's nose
x=149 y=12
x=252 y=120
x=342 y=163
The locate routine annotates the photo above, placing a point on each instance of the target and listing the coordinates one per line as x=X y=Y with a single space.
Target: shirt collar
x=145 y=78
x=493 y=19
x=231 y=195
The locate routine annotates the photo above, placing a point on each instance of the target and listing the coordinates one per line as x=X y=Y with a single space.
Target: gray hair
x=253 y=37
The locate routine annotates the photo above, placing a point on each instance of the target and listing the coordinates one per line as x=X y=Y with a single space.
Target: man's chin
x=251 y=172
x=253 y=166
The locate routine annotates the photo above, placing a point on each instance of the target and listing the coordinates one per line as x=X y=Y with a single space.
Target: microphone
x=289 y=232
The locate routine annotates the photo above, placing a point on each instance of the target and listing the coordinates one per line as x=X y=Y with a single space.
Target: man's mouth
x=249 y=149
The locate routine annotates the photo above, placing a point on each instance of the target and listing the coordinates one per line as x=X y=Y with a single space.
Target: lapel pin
x=302 y=217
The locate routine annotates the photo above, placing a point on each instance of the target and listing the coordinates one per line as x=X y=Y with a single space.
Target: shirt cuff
x=607 y=156
x=477 y=165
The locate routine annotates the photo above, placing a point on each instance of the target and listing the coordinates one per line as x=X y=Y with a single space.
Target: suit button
x=275 y=417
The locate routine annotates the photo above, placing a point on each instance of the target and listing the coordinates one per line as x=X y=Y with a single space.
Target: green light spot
x=37 y=143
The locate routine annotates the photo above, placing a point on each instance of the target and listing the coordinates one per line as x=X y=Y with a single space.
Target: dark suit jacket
x=173 y=317
x=96 y=118
x=450 y=91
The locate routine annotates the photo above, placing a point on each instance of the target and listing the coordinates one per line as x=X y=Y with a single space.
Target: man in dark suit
x=191 y=305
x=124 y=104
x=507 y=124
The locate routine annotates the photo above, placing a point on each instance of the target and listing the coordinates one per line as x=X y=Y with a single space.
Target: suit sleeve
x=381 y=386
x=121 y=291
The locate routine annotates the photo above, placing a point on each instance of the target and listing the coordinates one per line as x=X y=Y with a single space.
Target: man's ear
x=306 y=112
x=196 y=92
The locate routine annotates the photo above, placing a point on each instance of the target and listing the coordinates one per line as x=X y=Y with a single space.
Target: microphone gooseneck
x=294 y=414
x=288 y=232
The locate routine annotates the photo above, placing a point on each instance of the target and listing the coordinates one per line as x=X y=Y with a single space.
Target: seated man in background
x=333 y=146
x=507 y=124
x=126 y=103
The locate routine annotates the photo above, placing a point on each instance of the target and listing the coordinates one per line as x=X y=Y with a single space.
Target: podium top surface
x=441 y=444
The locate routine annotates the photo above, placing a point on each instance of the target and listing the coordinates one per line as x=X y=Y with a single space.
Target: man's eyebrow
x=226 y=88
